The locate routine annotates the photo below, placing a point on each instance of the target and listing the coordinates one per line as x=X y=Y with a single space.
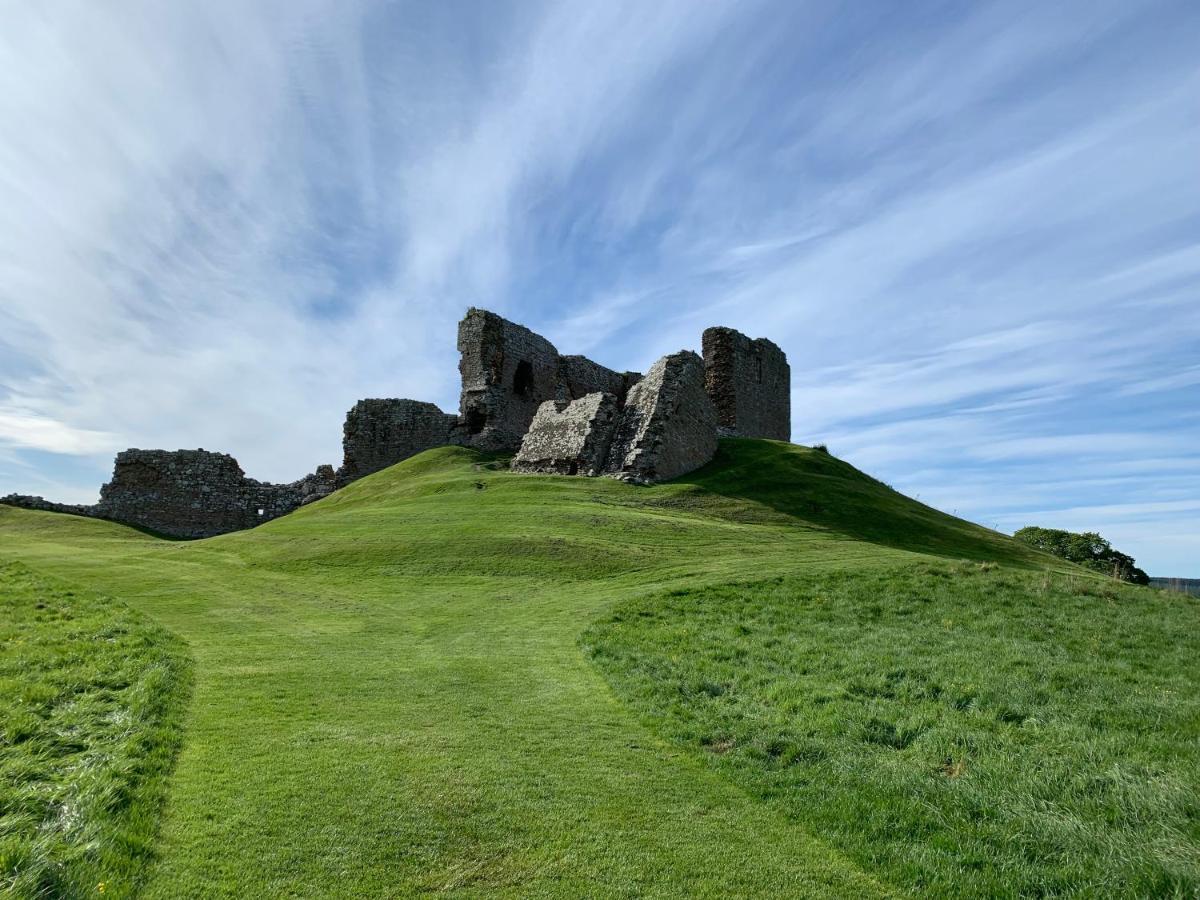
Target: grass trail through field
x=390 y=698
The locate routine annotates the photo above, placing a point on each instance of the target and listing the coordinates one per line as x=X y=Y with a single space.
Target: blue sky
x=974 y=227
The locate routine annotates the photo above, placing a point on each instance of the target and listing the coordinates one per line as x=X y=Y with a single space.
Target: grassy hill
x=446 y=678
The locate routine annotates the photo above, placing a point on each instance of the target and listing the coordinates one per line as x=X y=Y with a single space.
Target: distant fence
x=1184 y=585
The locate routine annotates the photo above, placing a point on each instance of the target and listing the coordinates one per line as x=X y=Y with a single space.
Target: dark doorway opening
x=523 y=378
x=476 y=419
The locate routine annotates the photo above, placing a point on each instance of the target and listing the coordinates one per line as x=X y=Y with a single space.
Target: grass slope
x=959 y=729
x=91 y=698
x=390 y=696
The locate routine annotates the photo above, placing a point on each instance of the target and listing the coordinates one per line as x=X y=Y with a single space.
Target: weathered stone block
x=668 y=426
x=381 y=433
x=569 y=438
x=750 y=384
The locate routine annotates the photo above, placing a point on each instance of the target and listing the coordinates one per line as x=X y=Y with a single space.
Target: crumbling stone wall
x=381 y=433
x=750 y=384
x=567 y=414
x=185 y=493
x=197 y=493
x=28 y=501
x=666 y=428
x=570 y=438
x=579 y=376
x=508 y=372
x=669 y=425
x=190 y=494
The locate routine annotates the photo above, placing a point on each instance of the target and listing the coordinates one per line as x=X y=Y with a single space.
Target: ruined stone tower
x=508 y=372
x=750 y=383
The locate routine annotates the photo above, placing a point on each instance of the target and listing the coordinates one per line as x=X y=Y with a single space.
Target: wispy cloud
x=972 y=227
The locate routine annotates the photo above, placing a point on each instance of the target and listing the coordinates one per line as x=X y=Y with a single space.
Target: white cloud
x=223 y=223
x=22 y=429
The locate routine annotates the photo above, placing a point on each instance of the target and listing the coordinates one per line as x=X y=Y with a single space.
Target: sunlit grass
x=961 y=730
x=91 y=696
x=390 y=695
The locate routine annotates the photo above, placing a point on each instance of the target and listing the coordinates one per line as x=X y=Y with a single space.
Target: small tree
x=1085 y=548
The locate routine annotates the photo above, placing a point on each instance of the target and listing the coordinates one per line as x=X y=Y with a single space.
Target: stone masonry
x=381 y=433
x=189 y=494
x=508 y=372
x=197 y=493
x=750 y=384
x=570 y=438
x=567 y=415
x=668 y=427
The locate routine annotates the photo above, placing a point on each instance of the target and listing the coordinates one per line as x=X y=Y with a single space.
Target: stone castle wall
x=197 y=493
x=666 y=428
x=750 y=383
x=669 y=426
x=508 y=372
x=565 y=414
x=381 y=433
x=570 y=438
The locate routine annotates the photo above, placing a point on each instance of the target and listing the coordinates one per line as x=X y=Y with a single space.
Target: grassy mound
x=91 y=698
x=958 y=729
x=390 y=697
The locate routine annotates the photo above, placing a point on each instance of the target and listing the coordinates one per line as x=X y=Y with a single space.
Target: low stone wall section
x=382 y=432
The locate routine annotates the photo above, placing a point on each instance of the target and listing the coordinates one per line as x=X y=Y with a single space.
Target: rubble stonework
x=189 y=494
x=668 y=426
x=186 y=493
x=381 y=433
x=567 y=414
x=508 y=372
x=28 y=501
x=569 y=438
x=197 y=493
x=750 y=384
x=579 y=376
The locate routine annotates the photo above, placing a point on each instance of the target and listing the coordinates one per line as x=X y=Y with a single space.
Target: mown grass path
x=390 y=697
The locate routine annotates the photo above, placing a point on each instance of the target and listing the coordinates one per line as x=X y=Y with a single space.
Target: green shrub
x=1087 y=549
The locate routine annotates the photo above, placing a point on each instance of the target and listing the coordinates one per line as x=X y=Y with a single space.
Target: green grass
x=91 y=698
x=391 y=698
x=957 y=729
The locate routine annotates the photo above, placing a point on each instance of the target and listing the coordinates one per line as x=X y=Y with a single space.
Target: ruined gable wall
x=381 y=433
x=749 y=382
x=508 y=372
x=668 y=426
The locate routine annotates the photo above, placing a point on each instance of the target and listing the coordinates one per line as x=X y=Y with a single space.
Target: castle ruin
x=562 y=415
x=749 y=382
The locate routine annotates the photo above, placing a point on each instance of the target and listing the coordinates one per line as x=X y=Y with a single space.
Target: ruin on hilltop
x=563 y=415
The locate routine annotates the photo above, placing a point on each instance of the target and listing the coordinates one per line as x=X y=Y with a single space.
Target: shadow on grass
x=813 y=487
